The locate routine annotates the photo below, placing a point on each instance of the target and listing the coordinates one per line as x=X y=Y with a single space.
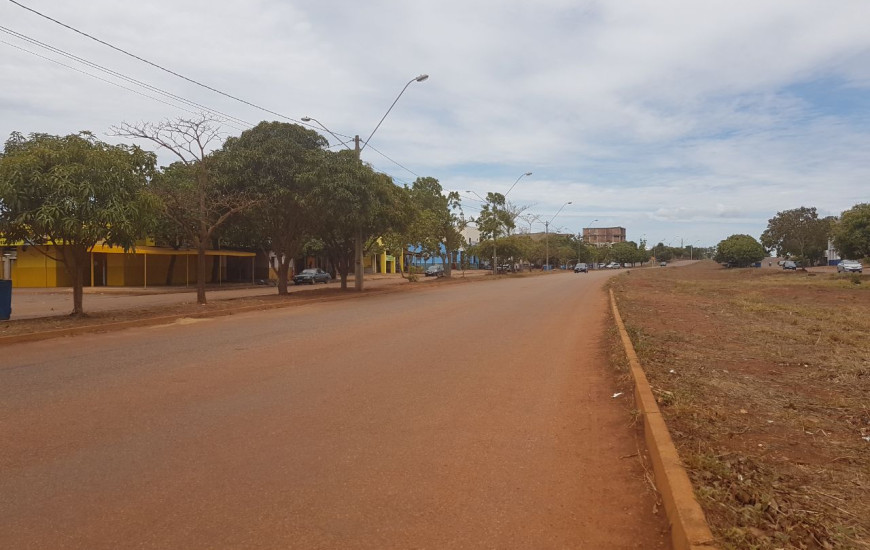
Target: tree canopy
x=353 y=201
x=435 y=226
x=851 y=233
x=739 y=250
x=271 y=161
x=798 y=232
x=73 y=192
x=191 y=192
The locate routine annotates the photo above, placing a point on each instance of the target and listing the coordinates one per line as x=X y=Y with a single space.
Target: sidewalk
x=31 y=303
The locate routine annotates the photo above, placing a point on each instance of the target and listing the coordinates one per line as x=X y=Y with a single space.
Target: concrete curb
x=689 y=529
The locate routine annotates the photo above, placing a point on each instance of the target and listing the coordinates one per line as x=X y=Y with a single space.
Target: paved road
x=448 y=416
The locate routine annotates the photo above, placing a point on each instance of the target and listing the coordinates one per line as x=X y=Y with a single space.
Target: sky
x=684 y=121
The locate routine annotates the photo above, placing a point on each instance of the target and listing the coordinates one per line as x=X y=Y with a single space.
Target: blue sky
x=679 y=120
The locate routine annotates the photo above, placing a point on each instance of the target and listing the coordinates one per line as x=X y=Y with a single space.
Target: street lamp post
x=516 y=182
x=547 y=232
x=358 y=244
x=590 y=224
x=495 y=230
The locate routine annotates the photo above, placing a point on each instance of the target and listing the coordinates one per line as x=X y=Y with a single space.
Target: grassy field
x=764 y=380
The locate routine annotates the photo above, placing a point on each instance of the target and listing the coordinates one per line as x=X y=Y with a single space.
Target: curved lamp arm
x=420 y=78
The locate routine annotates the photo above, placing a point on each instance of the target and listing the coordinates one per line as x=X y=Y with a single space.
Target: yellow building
x=112 y=266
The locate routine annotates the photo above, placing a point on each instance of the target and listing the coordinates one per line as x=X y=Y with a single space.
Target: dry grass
x=763 y=378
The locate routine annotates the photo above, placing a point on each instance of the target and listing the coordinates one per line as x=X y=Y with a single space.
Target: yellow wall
x=33 y=269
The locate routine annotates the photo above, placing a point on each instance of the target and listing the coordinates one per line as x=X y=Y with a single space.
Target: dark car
x=788 y=264
x=434 y=271
x=581 y=268
x=312 y=275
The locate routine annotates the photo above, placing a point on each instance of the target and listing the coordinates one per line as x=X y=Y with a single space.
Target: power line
x=394 y=162
x=192 y=81
x=155 y=65
x=108 y=81
x=116 y=74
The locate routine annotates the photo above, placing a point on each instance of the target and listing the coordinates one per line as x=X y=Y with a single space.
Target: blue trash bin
x=5 y=299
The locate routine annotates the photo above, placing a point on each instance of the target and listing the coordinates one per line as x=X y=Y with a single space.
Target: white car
x=849 y=266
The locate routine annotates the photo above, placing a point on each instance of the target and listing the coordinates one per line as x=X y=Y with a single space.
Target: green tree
x=73 y=192
x=191 y=192
x=624 y=253
x=271 y=160
x=799 y=232
x=739 y=250
x=352 y=201
x=436 y=226
x=851 y=233
x=496 y=220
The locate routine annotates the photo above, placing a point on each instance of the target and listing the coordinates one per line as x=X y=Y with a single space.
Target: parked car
x=849 y=266
x=788 y=264
x=581 y=268
x=434 y=271
x=663 y=264
x=612 y=265
x=312 y=275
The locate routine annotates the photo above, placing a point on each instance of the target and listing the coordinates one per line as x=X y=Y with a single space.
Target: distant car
x=779 y=263
x=849 y=266
x=612 y=265
x=312 y=275
x=788 y=264
x=626 y=264
x=436 y=271
x=663 y=264
x=581 y=268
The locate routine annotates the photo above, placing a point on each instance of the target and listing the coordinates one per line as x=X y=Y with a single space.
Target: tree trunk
x=171 y=270
x=200 y=274
x=358 y=262
x=283 y=271
x=447 y=259
x=75 y=261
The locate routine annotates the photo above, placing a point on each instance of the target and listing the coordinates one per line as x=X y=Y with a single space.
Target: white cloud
x=675 y=117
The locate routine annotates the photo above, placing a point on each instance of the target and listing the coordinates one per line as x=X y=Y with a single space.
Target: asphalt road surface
x=449 y=416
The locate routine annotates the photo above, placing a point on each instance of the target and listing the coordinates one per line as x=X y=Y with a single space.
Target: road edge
x=689 y=528
x=168 y=319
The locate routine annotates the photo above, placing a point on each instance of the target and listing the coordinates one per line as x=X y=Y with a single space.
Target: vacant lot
x=763 y=377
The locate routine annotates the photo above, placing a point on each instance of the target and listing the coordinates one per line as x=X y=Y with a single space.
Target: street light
x=476 y=195
x=547 y=232
x=516 y=182
x=590 y=225
x=312 y=119
x=420 y=78
x=494 y=251
x=358 y=244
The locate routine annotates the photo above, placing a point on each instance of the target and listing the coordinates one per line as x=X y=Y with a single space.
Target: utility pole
x=547 y=242
x=358 y=244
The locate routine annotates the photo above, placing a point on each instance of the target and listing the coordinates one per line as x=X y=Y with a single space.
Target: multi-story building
x=603 y=236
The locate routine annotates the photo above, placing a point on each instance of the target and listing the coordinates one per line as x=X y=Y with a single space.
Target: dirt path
x=461 y=416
